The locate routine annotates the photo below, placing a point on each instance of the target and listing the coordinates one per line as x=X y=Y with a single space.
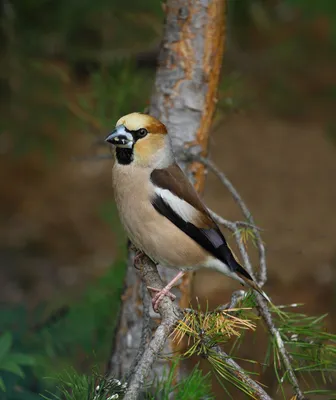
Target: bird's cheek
x=143 y=150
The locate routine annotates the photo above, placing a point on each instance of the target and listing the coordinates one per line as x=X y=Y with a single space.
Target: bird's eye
x=142 y=132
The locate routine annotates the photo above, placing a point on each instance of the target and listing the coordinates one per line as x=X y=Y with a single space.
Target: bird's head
x=142 y=140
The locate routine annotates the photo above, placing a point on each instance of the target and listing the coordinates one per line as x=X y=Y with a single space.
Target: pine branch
x=239 y=373
x=267 y=317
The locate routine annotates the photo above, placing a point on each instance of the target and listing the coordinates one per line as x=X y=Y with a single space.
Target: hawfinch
x=160 y=210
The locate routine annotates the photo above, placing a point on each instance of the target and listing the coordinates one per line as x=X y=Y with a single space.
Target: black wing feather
x=212 y=240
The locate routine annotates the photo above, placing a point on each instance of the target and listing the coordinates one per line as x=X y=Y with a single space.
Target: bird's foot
x=137 y=257
x=161 y=293
x=165 y=292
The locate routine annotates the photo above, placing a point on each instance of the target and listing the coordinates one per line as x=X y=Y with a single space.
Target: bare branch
x=236 y=196
x=222 y=221
x=229 y=224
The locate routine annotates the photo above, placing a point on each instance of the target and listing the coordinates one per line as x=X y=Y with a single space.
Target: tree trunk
x=184 y=100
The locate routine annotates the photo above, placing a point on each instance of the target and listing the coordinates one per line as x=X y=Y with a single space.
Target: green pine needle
x=311 y=347
x=74 y=386
x=195 y=386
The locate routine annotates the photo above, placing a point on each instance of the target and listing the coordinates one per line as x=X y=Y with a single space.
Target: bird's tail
x=244 y=277
x=251 y=284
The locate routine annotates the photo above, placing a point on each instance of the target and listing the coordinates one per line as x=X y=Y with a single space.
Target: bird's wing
x=176 y=199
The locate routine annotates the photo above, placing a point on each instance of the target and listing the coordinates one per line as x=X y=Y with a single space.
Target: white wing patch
x=179 y=206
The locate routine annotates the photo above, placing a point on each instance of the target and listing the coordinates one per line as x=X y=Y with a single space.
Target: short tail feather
x=250 y=283
x=233 y=263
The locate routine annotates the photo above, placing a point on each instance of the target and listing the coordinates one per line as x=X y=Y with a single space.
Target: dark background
x=68 y=71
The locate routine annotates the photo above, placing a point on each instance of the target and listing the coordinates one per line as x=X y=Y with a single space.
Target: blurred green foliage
x=10 y=361
x=264 y=13
x=47 y=45
x=69 y=26
x=312 y=10
x=114 y=91
x=42 y=343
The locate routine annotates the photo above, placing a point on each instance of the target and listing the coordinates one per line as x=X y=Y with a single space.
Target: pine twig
x=236 y=196
x=267 y=317
x=239 y=373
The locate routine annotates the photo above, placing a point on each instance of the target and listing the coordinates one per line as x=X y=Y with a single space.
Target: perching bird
x=161 y=212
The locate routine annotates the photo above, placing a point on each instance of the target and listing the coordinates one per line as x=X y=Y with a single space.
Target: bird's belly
x=160 y=239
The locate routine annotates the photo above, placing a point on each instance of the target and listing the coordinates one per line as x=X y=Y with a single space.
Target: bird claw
x=137 y=257
x=161 y=293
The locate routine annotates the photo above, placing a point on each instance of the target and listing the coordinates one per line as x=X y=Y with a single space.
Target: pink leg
x=168 y=294
x=156 y=300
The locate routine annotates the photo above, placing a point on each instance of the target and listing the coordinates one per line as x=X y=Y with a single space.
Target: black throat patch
x=124 y=155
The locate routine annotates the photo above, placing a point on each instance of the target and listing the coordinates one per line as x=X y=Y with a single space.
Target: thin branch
x=267 y=317
x=232 y=226
x=243 y=252
x=235 y=298
x=222 y=221
x=236 y=196
x=239 y=373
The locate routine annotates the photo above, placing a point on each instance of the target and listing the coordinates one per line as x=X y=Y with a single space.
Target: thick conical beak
x=120 y=137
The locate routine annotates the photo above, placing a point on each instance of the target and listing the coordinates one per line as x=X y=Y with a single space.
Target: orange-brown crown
x=135 y=121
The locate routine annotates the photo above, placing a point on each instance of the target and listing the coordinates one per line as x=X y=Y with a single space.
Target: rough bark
x=184 y=100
